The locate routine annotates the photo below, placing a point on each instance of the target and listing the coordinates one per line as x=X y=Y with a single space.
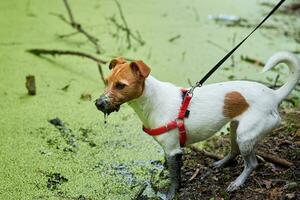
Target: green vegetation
x=90 y=159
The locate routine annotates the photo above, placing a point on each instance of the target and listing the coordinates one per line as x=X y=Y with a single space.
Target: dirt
x=269 y=181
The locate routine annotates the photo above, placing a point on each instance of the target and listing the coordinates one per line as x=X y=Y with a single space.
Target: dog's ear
x=116 y=61
x=140 y=67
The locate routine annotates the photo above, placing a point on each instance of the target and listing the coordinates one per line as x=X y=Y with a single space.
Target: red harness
x=177 y=123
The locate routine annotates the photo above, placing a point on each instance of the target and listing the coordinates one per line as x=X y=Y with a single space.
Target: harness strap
x=178 y=123
x=160 y=130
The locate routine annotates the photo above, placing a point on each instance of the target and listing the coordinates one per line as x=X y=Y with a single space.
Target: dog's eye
x=120 y=86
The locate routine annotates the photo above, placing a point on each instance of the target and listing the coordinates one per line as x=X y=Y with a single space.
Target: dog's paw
x=162 y=196
x=234 y=186
x=165 y=196
x=218 y=164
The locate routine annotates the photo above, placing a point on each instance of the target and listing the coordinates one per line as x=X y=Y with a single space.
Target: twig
x=60 y=16
x=275 y=82
x=124 y=27
x=101 y=74
x=216 y=45
x=172 y=39
x=68 y=35
x=267 y=157
x=252 y=61
x=211 y=155
x=77 y=26
x=275 y=159
x=54 y=52
x=69 y=11
x=194 y=175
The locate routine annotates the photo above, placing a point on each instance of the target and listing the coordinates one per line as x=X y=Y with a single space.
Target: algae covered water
x=81 y=157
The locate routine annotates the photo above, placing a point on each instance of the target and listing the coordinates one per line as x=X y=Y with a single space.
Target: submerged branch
x=124 y=27
x=54 y=52
x=77 y=26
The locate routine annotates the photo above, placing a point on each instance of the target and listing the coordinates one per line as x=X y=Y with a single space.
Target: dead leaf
x=267 y=183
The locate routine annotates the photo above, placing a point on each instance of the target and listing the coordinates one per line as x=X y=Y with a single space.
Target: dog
x=251 y=109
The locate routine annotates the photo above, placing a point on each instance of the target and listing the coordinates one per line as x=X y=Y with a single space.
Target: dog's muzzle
x=103 y=104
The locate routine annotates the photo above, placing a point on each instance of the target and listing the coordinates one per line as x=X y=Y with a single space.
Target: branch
x=252 y=61
x=101 y=74
x=194 y=175
x=124 y=27
x=69 y=12
x=267 y=157
x=77 y=26
x=54 y=52
x=275 y=159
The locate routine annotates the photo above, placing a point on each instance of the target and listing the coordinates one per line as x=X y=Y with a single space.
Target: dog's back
x=214 y=105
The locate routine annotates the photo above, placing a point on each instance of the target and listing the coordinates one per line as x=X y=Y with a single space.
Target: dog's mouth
x=115 y=108
x=106 y=109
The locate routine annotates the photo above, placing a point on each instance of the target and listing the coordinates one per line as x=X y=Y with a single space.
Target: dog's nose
x=100 y=103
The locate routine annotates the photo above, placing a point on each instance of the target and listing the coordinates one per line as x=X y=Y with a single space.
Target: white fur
x=160 y=103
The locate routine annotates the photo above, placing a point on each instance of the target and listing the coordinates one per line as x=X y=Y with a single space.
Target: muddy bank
x=269 y=181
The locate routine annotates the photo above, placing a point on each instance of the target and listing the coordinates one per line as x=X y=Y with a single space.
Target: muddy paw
x=218 y=164
x=165 y=196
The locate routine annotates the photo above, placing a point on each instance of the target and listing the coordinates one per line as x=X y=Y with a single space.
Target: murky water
x=109 y=161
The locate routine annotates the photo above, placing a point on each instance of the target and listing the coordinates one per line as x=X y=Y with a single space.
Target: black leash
x=199 y=83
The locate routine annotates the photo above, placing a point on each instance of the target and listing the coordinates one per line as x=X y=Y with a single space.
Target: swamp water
x=89 y=159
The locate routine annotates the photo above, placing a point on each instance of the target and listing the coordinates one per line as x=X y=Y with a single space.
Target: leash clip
x=190 y=92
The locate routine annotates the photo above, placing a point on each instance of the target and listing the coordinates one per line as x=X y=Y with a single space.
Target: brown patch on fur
x=234 y=104
x=131 y=75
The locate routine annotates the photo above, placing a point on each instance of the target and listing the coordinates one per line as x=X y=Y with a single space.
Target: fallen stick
x=77 y=26
x=54 y=52
x=30 y=85
x=275 y=159
x=172 y=39
x=194 y=175
x=270 y=158
x=252 y=61
x=101 y=74
x=124 y=27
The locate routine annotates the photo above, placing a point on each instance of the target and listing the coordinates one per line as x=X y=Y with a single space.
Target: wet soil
x=268 y=181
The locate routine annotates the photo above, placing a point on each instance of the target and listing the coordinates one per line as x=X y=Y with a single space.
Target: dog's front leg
x=174 y=163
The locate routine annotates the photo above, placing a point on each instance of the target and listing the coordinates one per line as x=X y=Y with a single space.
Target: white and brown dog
x=250 y=107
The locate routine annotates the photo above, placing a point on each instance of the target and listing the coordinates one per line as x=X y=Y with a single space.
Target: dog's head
x=125 y=82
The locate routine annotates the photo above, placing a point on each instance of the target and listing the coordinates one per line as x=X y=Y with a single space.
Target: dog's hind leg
x=251 y=129
x=234 y=147
x=250 y=163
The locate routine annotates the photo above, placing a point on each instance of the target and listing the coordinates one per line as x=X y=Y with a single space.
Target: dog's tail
x=294 y=67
